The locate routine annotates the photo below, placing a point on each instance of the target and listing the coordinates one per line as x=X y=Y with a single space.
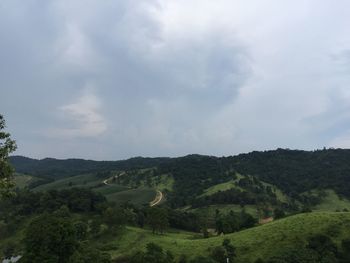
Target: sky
x=114 y=79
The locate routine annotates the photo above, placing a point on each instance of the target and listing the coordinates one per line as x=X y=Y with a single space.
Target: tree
x=81 y=229
x=88 y=254
x=114 y=217
x=153 y=254
x=325 y=248
x=224 y=252
x=345 y=253
x=50 y=239
x=7 y=146
x=157 y=218
x=279 y=213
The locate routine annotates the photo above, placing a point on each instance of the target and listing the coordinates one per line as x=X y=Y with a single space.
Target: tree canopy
x=7 y=146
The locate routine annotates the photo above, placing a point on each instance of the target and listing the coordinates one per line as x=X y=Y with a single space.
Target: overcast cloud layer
x=114 y=79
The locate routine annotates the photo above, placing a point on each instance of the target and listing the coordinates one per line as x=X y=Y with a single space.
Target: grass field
x=166 y=183
x=332 y=202
x=223 y=186
x=258 y=242
x=22 y=180
x=111 y=188
x=139 y=196
x=113 y=192
x=84 y=180
x=278 y=192
x=231 y=184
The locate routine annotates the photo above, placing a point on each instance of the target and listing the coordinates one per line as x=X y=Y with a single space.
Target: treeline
x=76 y=199
x=56 y=168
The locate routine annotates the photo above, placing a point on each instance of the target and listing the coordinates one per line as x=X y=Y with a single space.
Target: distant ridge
x=69 y=167
x=293 y=171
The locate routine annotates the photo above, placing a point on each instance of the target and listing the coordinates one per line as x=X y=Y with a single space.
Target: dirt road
x=157 y=199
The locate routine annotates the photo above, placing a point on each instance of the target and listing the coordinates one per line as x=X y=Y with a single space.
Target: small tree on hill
x=7 y=146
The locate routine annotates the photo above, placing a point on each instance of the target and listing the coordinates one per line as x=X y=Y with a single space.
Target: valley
x=191 y=204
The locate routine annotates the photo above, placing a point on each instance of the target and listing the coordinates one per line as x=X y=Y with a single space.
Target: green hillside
x=139 y=196
x=332 y=202
x=23 y=180
x=84 y=180
x=223 y=186
x=116 y=193
x=262 y=242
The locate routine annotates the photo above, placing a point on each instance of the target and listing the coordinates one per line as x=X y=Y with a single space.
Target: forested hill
x=57 y=168
x=293 y=171
x=298 y=171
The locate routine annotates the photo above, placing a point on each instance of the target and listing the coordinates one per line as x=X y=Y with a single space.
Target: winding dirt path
x=105 y=182
x=157 y=199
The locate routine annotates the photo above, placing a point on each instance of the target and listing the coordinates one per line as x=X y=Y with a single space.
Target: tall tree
x=7 y=146
x=157 y=218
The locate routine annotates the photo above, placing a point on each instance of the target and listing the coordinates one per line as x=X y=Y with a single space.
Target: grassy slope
x=262 y=241
x=22 y=180
x=251 y=209
x=278 y=192
x=223 y=186
x=332 y=202
x=114 y=192
x=84 y=180
x=111 y=188
x=231 y=184
x=166 y=183
x=139 y=196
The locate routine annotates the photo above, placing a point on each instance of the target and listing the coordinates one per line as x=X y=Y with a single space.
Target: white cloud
x=84 y=117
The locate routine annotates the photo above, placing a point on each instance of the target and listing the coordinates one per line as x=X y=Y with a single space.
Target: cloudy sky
x=114 y=79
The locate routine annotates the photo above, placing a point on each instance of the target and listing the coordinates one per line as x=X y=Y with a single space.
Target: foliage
x=7 y=146
x=50 y=239
x=157 y=218
x=153 y=254
x=88 y=254
x=323 y=247
x=77 y=200
x=232 y=222
x=225 y=252
x=184 y=220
